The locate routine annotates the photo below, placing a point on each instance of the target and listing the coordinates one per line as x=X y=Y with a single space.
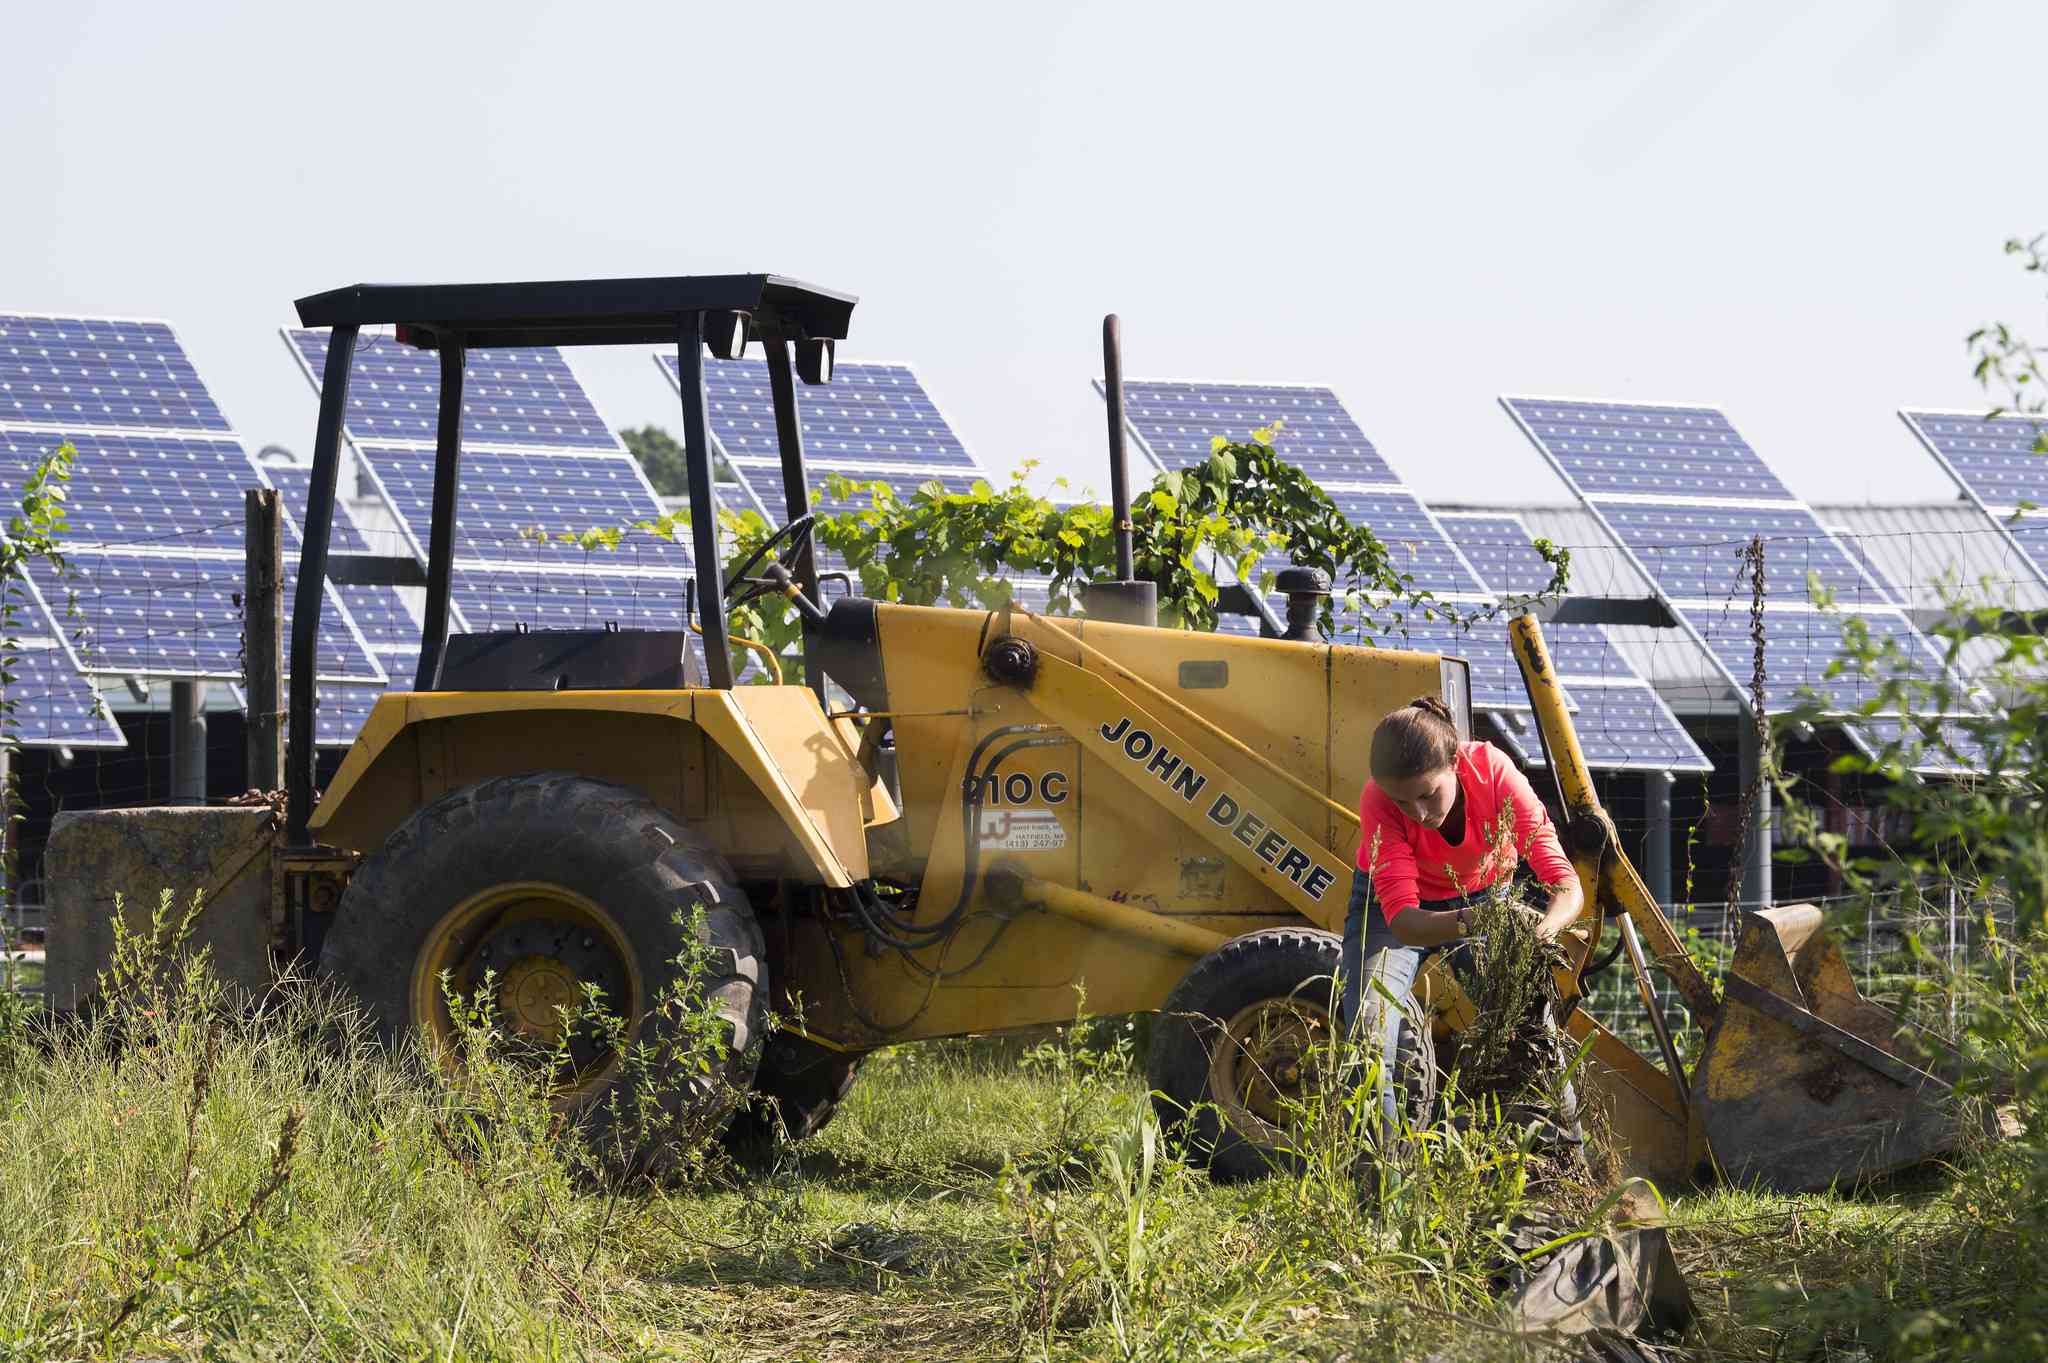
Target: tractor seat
x=609 y=659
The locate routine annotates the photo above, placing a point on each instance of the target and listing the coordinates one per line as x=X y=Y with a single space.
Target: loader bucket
x=1805 y=1084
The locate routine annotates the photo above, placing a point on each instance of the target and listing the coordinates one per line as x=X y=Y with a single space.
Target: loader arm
x=1801 y=1083
x=1612 y=884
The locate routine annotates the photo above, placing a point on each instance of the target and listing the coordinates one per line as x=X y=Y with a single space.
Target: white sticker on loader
x=1022 y=830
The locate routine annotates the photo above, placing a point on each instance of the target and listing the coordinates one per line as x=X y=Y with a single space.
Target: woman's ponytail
x=1435 y=705
x=1419 y=738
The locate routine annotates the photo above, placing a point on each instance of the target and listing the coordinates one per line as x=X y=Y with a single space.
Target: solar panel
x=2031 y=535
x=1955 y=753
x=1619 y=447
x=1998 y=463
x=175 y=492
x=1694 y=552
x=1799 y=647
x=86 y=373
x=1681 y=492
x=513 y=506
x=1997 y=460
x=381 y=614
x=1621 y=721
x=1416 y=545
x=339 y=712
x=499 y=599
x=1500 y=550
x=1628 y=727
x=51 y=704
x=524 y=395
x=153 y=616
x=1176 y=421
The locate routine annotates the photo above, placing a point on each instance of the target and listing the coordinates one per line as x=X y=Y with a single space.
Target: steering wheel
x=757 y=587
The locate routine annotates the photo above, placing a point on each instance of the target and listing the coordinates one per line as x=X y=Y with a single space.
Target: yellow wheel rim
x=539 y=946
x=1266 y=1063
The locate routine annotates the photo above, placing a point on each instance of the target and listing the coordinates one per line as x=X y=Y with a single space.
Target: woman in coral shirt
x=1426 y=852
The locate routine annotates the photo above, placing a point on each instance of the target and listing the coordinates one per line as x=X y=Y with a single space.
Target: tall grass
x=189 y=1175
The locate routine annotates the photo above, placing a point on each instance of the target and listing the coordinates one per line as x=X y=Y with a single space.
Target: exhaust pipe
x=1126 y=600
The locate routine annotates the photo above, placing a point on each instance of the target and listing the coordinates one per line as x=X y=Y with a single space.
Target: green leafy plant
x=1234 y=515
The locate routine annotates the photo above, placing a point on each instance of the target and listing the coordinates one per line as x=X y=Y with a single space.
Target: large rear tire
x=1241 y=1043
x=547 y=883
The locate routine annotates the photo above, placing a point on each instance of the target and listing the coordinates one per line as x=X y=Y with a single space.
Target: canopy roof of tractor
x=581 y=311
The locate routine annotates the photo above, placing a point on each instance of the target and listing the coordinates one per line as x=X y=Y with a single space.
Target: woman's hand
x=1566 y=900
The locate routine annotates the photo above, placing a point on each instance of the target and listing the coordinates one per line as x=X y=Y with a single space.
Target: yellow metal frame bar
x=1092 y=910
x=1612 y=882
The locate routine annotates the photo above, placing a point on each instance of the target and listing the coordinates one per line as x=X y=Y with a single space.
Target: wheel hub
x=1265 y=1062
x=543 y=968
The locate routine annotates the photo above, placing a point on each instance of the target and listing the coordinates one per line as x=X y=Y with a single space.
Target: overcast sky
x=1793 y=208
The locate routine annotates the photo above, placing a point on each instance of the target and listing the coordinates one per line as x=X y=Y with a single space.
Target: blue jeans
x=1374 y=959
x=1372 y=953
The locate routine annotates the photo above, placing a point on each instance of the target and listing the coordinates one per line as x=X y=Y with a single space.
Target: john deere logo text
x=1225 y=810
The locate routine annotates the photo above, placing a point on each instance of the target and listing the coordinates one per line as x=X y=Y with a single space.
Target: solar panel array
x=1622 y=723
x=539 y=468
x=1682 y=493
x=1174 y=424
x=153 y=540
x=874 y=423
x=1998 y=464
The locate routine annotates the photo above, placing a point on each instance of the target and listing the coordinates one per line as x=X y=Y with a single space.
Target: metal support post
x=7 y=866
x=703 y=523
x=262 y=636
x=796 y=492
x=1657 y=836
x=308 y=595
x=441 y=538
x=188 y=744
x=1756 y=864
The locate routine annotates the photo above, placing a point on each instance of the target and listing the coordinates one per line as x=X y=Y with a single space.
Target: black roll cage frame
x=724 y=312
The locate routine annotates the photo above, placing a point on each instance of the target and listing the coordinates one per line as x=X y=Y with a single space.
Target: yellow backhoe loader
x=1010 y=807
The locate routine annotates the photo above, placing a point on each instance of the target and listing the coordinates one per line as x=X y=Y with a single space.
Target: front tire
x=1241 y=1045
x=543 y=884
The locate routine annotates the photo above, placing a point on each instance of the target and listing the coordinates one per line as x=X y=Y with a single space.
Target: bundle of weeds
x=1513 y=1048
